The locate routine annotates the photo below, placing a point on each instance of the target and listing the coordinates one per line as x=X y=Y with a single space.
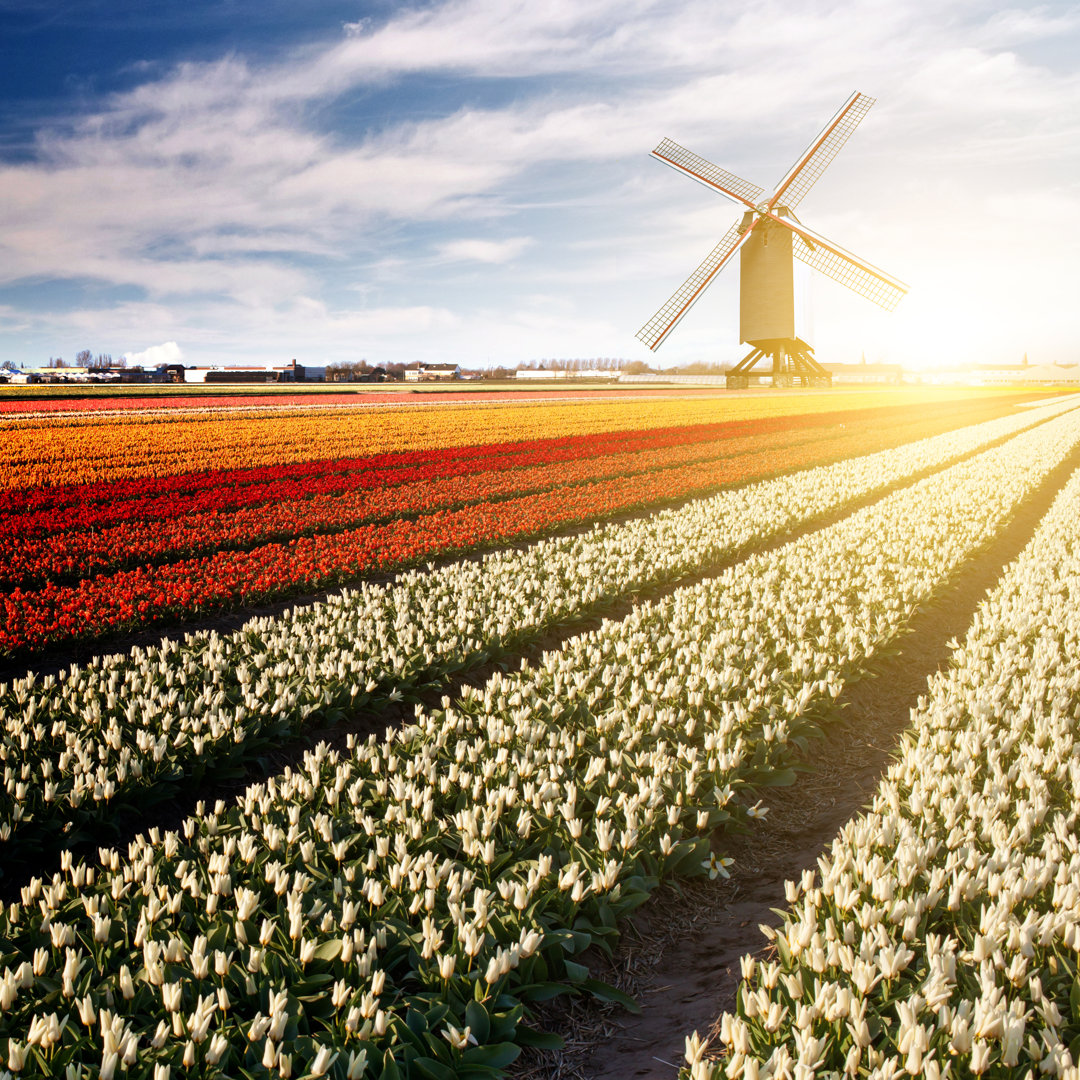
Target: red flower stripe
x=195 y=493
x=226 y=483
x=38 y=560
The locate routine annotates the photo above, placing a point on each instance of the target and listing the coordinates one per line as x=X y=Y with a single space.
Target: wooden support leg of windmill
x=791 y=363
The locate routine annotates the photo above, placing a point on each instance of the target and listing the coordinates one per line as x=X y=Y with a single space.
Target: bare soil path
x=680 y=957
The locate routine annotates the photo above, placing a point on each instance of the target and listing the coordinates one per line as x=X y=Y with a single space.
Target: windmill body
x=768 y=238
x=766 y=284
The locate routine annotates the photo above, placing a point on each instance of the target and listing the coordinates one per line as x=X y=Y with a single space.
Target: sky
x=252 y=181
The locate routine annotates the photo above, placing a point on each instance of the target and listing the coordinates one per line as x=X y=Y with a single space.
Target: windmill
x=768 y=237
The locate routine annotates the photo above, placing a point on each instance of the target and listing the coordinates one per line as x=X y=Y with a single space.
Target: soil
x=680 y=955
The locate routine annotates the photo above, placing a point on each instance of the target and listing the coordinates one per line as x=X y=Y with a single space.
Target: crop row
x=27 y=511
x=30 y=562
x=89 y=450
x=173 y=400
x=105 y=503
x=390 y=912
x=133 y=598
x=941 y=934
x=129 y=728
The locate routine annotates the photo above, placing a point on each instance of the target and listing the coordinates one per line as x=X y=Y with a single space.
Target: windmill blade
x=833 y=261
x=802 y=176
x=705 y=172
x=665 y=320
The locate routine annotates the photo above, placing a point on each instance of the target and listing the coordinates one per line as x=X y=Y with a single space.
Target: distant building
x=563 y=373
x=431 y=372
x=1030 y=374
x=1022 y=374
x=540 y=373
x=54 y=375
x=707 y=379
x=219 y=374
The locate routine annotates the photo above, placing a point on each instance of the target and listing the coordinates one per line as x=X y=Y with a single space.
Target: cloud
x=168 y=353
x=484 y=251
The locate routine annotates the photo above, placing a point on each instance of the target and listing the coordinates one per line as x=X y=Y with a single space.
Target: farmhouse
x=418 y=372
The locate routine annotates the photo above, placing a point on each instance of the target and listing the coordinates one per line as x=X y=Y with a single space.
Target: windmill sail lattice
x=680 y=302
x=804 y=174
x=876 y=287
x=767 y=306
x=708 y=173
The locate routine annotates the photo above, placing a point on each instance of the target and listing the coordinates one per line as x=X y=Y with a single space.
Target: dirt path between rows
x=680 y=957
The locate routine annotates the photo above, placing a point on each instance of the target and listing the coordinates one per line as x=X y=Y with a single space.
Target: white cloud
x=248 y=219
x=484 y=251
x=169 y=353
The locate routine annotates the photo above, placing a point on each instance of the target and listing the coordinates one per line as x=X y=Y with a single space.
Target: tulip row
x=29 y=512
x=30 y=562
x=941 y=937
x=131 y=728
x=127 y=599
x=171 y=399
x=98 y=505
x=391 y=911
x=86 y=449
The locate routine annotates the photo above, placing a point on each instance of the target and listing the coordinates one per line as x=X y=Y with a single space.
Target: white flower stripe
x=940 y=936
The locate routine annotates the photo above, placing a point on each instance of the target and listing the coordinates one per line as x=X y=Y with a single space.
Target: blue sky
x=471 y=180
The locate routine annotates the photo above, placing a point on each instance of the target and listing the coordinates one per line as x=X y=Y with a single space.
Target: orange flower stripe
x=33 y=561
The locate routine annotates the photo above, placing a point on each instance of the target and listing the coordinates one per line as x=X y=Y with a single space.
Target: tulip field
x=127 y=533
x=398 y=906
